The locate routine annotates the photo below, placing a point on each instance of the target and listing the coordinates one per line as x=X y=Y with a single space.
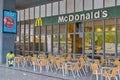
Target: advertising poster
x=10 y=21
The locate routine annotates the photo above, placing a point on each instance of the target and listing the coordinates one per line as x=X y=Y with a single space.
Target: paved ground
x=10 y=74
x=13 y=73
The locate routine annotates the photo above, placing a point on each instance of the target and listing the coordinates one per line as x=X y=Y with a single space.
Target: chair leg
x=78 y=73
x=91 y=77
x=40 y=68
x=109 y=78
x=116 y=78
x=97 y=76
x=34 y=68
x=73 y=74
x=18 y=65
x=84 y=71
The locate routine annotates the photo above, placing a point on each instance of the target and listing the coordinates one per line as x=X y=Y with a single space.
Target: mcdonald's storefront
x=93 y=32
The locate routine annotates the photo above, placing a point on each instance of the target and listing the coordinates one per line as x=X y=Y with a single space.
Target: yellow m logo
x=38 y=22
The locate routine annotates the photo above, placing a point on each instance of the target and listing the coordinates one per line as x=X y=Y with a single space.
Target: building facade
x=86 y=27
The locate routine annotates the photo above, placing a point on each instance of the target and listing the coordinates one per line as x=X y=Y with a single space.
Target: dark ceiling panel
x=21 y=4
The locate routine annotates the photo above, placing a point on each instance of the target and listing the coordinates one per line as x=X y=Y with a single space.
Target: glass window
x=55 y=29
x=118 y=44
x=118 y=37
x=37 y=11
x=109 y=3
x=43 y=38
x=55 y=39
x=79 y=27
x=109 y=37
x=70 y=37
x=98 y=4
x=88 y=37
x=88 y=43
x=62 y=28
x=70 y=6
x=70 y=28
x=26 y=14
x=21 y=15
x=42 y=10
x=118 y=24
x=98 y=37
x=69 y=43
x=98 y=26
x=88 y=4
x=88 y=26
x=78 y=5
x=79 y=36
x=31 y=13
x=49 y=9
x=118 y=2
x=62 y=43
x=62 y=7
x=49 y=29
x=55 y=8
x=55 y=44
x=18 y=15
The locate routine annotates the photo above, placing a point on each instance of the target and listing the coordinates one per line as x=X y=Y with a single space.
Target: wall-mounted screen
x=10 y=21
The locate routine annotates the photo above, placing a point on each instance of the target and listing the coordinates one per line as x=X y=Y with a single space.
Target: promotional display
x=10 y=21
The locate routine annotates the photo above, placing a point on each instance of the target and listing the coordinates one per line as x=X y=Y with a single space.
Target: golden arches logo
x=38 y=22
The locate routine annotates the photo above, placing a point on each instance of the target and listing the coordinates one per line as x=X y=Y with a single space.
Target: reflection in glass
x=55 y=44
x=62 y=43
x=118 y=44
x=98 y=43
x=110 y=43
x=109 y=37
x=88 y=43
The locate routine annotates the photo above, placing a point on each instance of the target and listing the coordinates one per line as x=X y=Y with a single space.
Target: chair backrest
x=58 y=63
x=43 y=62
x=52 y=61
x=76 y=66
x=86 y=58
x=97 y=62
x=114 y=72
x=94 y=67
x=20 y=59
x=82 y=60
x=50 y=55
x=34 y=60
x=69 y=57
x=28 y=58
x=116 y=62
x=62 y=59
x=102 y=60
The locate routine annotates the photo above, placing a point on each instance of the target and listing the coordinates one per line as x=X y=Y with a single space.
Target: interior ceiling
x=21 y=4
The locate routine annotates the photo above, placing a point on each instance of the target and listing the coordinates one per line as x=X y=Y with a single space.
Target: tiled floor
x=13 y=73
